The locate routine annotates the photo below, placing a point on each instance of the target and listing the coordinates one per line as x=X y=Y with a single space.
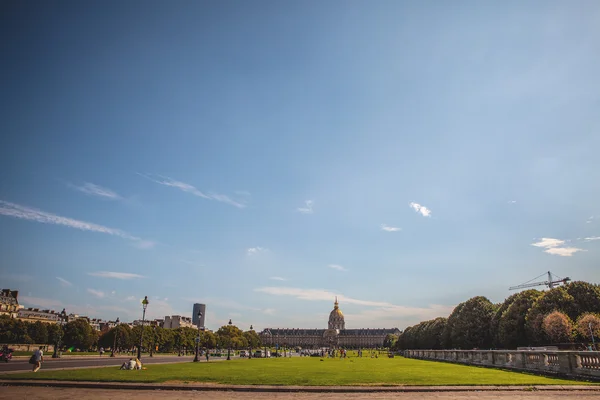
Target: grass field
x=306 y=371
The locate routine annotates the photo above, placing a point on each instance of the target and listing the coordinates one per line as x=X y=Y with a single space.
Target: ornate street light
x=197 y=358
x=62 y=319
x=144 y=305
x=229 y=342
x=153 y=339
x=112 y=353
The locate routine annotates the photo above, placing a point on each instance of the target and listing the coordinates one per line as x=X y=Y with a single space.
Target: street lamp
x=144 y=305
x=592 y=333
x=112 y=353
x=63 y=318
x=250 y=345
x=197 y=358
x=153 y=339
x=229 y=343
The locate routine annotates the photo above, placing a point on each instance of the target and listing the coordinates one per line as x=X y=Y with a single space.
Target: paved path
x=22 y=365
x=43 y=393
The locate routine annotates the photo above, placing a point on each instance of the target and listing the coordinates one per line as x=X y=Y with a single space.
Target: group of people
x=133 y=363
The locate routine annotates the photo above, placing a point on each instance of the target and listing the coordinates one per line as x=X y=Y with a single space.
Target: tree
x=252 y=339
x=208 y=340
x=55 y=334
x=588 y=324
x=471 y=326
x=79 y=334
x=390 y=340
x=230 y=336
x=122 y=334
x=558 y=327
x=510 y=332
x=38 y=332
x=557 y=299
x=586 y=296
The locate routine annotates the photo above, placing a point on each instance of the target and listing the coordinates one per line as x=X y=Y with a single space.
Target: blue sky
x=263 y=157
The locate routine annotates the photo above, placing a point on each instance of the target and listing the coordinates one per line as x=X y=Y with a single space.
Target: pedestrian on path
x=37 y=358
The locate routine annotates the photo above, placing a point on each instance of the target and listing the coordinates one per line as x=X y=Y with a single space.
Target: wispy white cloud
x=591 y=238
x=337 y=267
x=256 y=250
x=39 y=302
x=115 y=275
x=130 y=298
x=590 y=220
x=31 y=214
x=96 y=293
x=512 y=201
x=64 y=282
x=96 y=190
x=269 y=311
x=186 y=187
x=277 y=278
x=554 y=247
x=382 y=308
x=387 y=228
x=424 y=211
x=308 y=207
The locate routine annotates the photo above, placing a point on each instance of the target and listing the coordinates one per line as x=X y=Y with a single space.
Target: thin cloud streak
x=255 y=250
x=277 y=278
x=337 y=267
x=115 y=275
x=326 y=295
x=64 y=282
x=387 y=228
x=186 y=187
x=31 y=214
x=99 y=294
x=96 y=190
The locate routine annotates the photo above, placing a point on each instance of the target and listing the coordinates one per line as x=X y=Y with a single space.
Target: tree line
x=567 y=314
x=80 y=335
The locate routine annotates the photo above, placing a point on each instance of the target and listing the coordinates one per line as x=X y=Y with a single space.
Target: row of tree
x=79 y=334
x=563 y=314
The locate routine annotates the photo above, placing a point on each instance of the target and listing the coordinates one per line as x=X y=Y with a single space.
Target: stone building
x=9 y=303
x=336 y=335
x=177 y=321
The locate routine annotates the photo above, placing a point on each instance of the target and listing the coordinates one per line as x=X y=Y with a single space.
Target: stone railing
x=580 y=364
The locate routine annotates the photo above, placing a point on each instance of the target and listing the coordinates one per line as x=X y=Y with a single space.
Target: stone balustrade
x=580 y=364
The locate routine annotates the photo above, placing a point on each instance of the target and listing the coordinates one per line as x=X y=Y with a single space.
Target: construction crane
x=551 y=282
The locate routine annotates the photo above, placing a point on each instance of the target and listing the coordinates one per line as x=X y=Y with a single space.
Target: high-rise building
x=199 y=321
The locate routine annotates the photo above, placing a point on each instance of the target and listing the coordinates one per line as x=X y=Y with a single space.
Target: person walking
x=38 y=358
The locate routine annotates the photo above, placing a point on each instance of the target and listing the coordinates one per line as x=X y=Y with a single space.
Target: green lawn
x=306 y=371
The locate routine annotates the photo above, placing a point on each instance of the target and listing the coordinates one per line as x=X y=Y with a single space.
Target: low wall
x=579 y=364
x=28 y=347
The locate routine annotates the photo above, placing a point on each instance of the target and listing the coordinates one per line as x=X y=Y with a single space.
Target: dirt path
x=101 y=394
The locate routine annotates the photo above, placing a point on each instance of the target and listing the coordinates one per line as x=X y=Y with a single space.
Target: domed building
x=336 y=317
x=336 y=334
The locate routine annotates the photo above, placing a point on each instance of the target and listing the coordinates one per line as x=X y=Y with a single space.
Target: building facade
x=198 y=320
x=336 y=335
x=35 y=314
x=9 y=303
x=177 y=321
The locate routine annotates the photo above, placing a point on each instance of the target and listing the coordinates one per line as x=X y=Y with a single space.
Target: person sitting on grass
x=132 y=364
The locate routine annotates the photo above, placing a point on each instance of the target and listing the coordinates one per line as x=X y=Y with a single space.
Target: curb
x=297 y=389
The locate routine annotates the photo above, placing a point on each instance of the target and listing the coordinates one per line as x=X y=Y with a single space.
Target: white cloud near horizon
x=555 y=247
x=308 y=207
x=591 y=238
x=64 y=282
x=96 y=190
x=381 y=307
x=98 y=293
x=31 y=214
x=424 y=211
x=115 y=275
x=277 y=278
x=337 y=267
x=256 y=250
x=385 y=227
x=186 y=187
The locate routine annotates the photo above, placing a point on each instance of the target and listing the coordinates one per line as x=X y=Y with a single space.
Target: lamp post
x=112 y=353
x=592 y=333
x=144 y=305
x=63 y=318
x=229 y=342
x=197 y=358
x=250 y=345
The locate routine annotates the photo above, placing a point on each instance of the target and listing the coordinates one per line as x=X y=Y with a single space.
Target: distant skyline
x=264 y=157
